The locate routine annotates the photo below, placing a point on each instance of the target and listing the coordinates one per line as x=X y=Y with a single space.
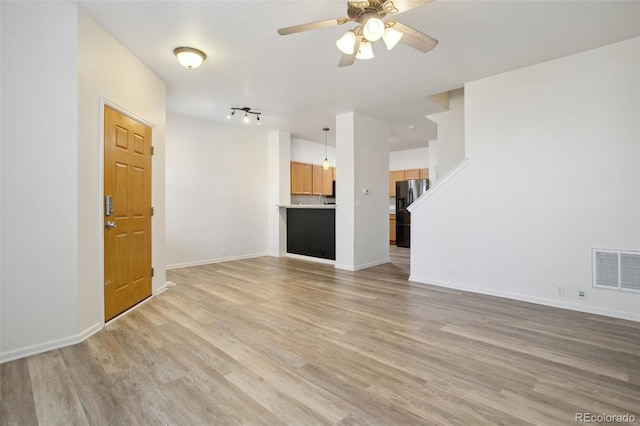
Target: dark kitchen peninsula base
x=311 y=232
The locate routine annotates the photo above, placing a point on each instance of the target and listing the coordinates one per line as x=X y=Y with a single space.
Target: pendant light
x=325 y=163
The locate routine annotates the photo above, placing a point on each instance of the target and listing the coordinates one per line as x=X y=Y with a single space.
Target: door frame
x=100 y=211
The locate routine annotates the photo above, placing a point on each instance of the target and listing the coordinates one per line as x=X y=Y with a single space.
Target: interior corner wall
x=39 y=257
x=451 y=136
x=279 y=192
x=552 y=173
x=362 y=211
x=217 y=192
x=312 y=152
x=409 y=159
x=110 y=73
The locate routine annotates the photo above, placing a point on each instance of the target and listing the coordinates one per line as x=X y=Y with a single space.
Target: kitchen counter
x=311 y=230
x=307 y=206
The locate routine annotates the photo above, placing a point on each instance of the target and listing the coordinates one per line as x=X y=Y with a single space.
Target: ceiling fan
x=368 y=14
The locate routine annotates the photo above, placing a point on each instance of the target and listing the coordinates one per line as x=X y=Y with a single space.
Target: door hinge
x=152 y=272
x=152 y=150
x=151 y=211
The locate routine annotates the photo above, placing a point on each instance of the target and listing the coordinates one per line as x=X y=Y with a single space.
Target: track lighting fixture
x=247 y=111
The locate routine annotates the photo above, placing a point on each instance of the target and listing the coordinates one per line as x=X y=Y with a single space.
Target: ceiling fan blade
x=312 y=26
x=393 y=7
x=347 y=60
x=415 y=38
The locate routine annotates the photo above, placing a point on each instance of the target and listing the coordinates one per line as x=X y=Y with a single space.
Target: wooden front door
x=127 y=216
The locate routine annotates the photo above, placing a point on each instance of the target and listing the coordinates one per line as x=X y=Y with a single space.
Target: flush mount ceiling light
x=369 y=15
x=189 y=57
x=245 y=118
x=325 y=163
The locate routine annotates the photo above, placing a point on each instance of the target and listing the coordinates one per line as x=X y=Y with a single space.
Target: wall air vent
x=616 y=269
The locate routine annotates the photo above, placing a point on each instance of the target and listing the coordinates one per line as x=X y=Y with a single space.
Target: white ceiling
x=295 y=82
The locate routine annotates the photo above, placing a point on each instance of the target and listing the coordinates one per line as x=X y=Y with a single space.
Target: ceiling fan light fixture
x=347 y=42
x=365 y=51
x=373 y=29
x=391 y=37
x=189 y=57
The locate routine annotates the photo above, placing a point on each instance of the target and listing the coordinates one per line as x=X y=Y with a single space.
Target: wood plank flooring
x=271 y=341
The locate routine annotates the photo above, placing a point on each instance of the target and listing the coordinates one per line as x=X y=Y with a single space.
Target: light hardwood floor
x=283 y=341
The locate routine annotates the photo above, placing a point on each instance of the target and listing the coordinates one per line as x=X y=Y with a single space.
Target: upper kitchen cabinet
x=322 y=182
x=301 y=178
x=311 y=179
x=394 y=176
x=398 y=175
x=411 y=174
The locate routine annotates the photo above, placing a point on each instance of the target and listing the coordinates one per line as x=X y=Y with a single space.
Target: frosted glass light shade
x=365 y=51
x=391 y=37
x=325 y=164
x=347 y=43
x=373 y=29
x=189 y=57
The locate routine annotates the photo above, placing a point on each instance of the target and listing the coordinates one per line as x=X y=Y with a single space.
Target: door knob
x=110 y=224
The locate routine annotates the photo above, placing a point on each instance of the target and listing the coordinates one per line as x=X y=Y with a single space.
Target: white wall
x=553 y=171
x=409 y=159
x=39 y=175
x=312 y=152
x=56 y=64
x=109 y=73
x=279 y=192
x=450 y=149
x=217 y=192
x=362 y=221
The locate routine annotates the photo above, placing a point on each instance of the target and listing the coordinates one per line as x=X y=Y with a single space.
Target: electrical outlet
x=224 y=251
x=582 y=294
x=560 y=290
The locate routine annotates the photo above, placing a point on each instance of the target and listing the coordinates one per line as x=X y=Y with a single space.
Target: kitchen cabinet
x=312 y=232
x=301 y=178
x=392 y=229
x=394 y=176
x=322 y=180
x=311 y=179
x=412 y=174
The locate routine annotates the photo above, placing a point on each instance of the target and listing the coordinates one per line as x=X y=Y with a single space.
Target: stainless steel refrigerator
x=407 y=191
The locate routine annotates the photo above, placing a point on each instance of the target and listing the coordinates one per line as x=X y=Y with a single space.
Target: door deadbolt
x=108 y=205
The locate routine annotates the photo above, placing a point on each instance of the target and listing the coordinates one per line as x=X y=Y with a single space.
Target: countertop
x=307 y=206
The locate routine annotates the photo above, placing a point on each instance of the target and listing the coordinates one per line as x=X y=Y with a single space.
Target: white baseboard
x=579 y=307
x=216 y=260
x=311 y=259
x=50 y=345
x=363 y=266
